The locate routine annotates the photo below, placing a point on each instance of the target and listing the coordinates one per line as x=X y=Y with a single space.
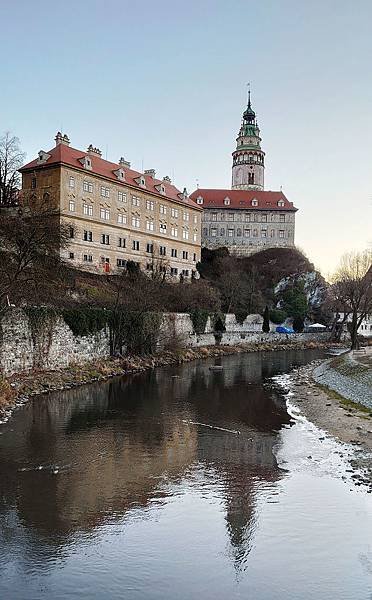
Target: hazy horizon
x=165 y=86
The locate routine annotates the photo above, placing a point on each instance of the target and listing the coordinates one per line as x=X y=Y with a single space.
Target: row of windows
x=122 y=217
x=245 y=232
x=135 y=200
x=135 y=221
x=247 y=217
x=121 y=242
x=122 y=263
x=227 y=201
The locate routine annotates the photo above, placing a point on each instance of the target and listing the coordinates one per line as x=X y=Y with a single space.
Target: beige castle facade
x=117 y=214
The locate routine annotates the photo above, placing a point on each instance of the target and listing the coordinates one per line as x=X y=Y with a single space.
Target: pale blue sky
x=164 y=84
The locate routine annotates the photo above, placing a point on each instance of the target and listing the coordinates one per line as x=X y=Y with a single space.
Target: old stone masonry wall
x=48 y=343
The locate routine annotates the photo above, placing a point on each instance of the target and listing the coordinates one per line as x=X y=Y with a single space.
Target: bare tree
x=352 y=289
x=30 y=244
x=11 y=159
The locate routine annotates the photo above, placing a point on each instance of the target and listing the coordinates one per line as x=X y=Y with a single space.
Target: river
x=180 y=483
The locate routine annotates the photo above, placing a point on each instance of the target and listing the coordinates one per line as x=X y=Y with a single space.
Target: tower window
x=250 y=178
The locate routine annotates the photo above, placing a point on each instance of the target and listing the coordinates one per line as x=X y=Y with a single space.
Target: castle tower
x=248 y=158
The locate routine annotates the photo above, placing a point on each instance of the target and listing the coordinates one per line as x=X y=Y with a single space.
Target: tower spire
x=249 y=94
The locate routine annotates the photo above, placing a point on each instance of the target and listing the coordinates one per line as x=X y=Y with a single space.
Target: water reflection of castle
x=117 y=444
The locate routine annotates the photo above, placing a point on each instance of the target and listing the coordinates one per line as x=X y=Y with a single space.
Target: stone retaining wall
x=54 y=345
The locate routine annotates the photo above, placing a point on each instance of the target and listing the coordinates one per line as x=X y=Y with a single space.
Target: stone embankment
x=21 y=386
x=350 y=375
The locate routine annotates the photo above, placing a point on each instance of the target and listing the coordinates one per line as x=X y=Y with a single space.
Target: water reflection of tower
x=244 y=463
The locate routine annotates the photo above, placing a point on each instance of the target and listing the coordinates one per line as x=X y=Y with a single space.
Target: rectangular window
x=150 y=204
x=87 y=186
x=105 y=239
x=230 y=233
x=214 y=216
x=150 y=225
x=135 y=201
x=162 y=228
x=247 y=233
x=281 y=233
x=120 y=262
x=263 y=233
x=71 y=232
x=162 y=250
x=71 y=206
x=230 y=217
x=104 y=214
x=185 y=255
x=174 y=271
x=264 y=218
x=121 y=242
x=150 y=248
x=71 y=182
x=135 y=221
x=213 y=232
x=122 y=197
x=185 y=234
x=255 y=232
x=186 y=216
x=272 y=233
x=88 y=210
x=174 y=212
x=196 y=219
x=162 y=209
x=174 y=231
x=194 y=257
x=71 y=256
x=135 y=245
x=195 y=237
x=105 y=192
x=87 y=236
x=122 y=218
x=247 y=218
x=88 y=258
x=174 y=253
x=281 y=218
x=185 y=272
x=33 y=183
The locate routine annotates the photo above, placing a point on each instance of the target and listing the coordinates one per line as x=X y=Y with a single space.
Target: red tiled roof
x=63 y=154
x=242 y=199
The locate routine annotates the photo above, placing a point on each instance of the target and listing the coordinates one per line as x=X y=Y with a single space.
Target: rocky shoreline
x=347 y=421
x=18 y=388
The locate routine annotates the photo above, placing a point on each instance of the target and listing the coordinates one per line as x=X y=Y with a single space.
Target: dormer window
x=86 y=162
x=120 y=174
x=142 y=182
x=199 y=200
x=226 y=201
x=254 y=202
x=43 y=156
x=162 y=189
x=280 y=202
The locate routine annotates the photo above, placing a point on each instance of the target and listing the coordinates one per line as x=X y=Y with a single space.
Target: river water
x=180 y=483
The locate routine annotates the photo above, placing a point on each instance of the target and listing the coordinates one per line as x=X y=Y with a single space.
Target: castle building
x=246 y=219
x=116 y=214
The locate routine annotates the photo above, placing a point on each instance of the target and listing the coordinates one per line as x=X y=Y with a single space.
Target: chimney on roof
x=124 y=163
x=62 y=139
x=58 y=139
x=167 y=178
x=95 y=151
x=150 y=172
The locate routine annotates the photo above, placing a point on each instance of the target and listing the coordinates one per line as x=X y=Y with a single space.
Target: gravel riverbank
x=349 y=422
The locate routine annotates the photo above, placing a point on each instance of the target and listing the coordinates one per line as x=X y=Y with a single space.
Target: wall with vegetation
x=41 y=338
